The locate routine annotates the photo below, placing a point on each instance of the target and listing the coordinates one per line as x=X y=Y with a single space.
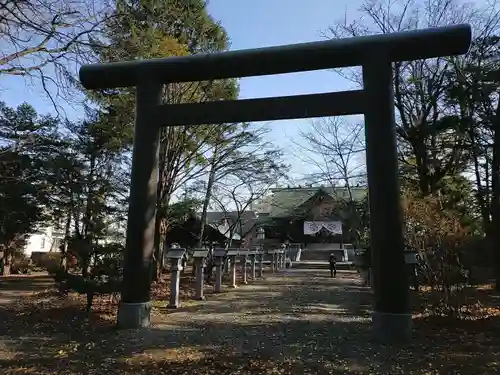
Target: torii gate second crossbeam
x=392 y=314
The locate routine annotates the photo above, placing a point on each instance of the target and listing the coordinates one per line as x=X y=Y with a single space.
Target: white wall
x=42 y=241
x=48 y=239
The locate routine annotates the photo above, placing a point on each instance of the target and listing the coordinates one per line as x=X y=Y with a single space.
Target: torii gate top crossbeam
x=336 y=53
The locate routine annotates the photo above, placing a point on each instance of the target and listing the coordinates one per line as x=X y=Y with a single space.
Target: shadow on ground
x=28 y=283
x=292 y=295
x=285 y=325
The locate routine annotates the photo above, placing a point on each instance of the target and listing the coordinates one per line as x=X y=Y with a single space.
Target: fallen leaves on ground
x=44 y=333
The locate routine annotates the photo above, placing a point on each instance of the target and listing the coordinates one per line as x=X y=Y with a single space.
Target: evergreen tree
x=154 y=28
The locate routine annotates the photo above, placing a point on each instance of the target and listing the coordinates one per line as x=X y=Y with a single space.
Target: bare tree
x=44 y=41
x=336 y=148
x=181 y=159
x=234 y=197
x=237 y=146
x=183 y=151
x=246 y=184
x=430 y=147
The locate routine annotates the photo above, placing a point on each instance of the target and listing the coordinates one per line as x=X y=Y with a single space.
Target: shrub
x=21 y=266
x=440 y=239
x=48 y=261
x=102 y=275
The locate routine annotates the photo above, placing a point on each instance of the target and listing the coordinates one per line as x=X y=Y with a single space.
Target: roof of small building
x=247 y=219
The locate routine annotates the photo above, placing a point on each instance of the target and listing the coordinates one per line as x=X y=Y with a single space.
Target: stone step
x=322 y=256
x=321 y=265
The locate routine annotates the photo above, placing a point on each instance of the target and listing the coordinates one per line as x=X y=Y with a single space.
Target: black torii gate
x=392 y=314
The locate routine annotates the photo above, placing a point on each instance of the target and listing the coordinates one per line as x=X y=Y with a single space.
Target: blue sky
x=250 y=24
x=263 y=23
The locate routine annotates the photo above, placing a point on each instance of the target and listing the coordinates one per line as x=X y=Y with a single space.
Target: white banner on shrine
x=313 y=227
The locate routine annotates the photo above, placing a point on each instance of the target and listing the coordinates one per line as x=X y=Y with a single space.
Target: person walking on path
x=333 y=265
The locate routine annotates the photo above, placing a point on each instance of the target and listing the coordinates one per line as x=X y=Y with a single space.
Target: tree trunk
x=155 y=271
x=88 y=215
x=162 y=201
x=6 y=263
x=480 y=189
x=495 y=197
x=161 y=227
x=420 y=153
x=208 y=195
x=64 y=245
x=76 y=220
x=160 y=239
x=161 y=249
x=6 y=270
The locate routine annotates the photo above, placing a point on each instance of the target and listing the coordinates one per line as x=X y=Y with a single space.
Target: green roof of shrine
x=284 y=200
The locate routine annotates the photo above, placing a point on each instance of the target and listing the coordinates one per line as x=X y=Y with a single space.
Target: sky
x=251 y=24
x=264 y=23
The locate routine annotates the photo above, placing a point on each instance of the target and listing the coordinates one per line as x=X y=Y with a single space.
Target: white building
x=49 y=238
x=44 y=240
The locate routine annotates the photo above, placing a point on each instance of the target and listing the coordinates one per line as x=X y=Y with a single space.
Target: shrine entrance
x=325 y=228
x=375 y=54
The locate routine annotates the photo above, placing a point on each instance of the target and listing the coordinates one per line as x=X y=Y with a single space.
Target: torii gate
x=392 y=314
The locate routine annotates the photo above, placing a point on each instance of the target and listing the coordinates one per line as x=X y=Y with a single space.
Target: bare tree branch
x=45 y=41
x=426 y=148
x=336 y=147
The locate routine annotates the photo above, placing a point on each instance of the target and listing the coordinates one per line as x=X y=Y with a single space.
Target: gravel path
x=294 y=322
x=14 y=287
x=270 y=318
x=300 y=321
x=294 y=317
